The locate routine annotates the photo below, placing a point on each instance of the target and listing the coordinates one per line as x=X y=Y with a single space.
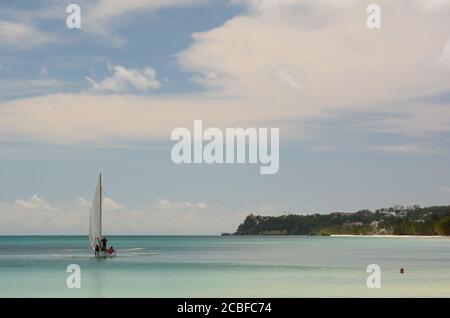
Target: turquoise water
x=214 y=266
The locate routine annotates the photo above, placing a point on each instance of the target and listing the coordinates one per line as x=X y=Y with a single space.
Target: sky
x=364 y=114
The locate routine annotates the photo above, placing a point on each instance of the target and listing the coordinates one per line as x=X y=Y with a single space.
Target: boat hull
x=104 y=254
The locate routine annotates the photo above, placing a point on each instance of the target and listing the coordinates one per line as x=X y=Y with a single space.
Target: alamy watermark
x=374 y=19
x=73 y=21
x=235 y=145
x=374 y=279
x=74 y=279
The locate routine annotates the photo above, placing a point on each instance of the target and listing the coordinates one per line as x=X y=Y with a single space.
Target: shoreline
x=391 y=236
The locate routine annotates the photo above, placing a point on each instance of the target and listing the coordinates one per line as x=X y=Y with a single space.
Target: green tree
x=442 y=227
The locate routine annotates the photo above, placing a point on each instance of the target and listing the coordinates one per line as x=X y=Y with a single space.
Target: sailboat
x=95 y=232
x=95 y=221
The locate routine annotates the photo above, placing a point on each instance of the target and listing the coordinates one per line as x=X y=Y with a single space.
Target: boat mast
x=101 y=193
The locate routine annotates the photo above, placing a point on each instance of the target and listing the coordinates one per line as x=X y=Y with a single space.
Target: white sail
x=95 y=220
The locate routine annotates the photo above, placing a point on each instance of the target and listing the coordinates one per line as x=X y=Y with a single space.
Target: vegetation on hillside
x=395 y=220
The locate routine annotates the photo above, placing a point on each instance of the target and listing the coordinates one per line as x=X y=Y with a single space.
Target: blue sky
x=364 y=115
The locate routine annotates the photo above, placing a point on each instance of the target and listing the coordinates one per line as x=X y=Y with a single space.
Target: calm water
x=211 y=266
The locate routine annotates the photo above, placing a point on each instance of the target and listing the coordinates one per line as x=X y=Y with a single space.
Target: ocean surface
x=214 y=266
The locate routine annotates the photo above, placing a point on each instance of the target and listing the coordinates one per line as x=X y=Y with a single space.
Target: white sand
x=391 y=236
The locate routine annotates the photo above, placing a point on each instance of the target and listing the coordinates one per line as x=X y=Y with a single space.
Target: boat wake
x=69 y=253
x=132 y=249
x=142 y=254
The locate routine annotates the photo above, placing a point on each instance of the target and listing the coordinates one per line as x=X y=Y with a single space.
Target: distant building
x=353 y=224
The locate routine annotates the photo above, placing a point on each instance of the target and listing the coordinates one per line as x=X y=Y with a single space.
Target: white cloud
x=82 y=202
x=100 y=17
x=167 y=204
x=111 y=204
x=342 y=63
x=34 y=202
x=103 y=16
x=272 y=65
x=124 y=80
x=445 y=189
x=108 y=203
x=433 y=5
x=407 y=149
x=110 y=9
x=288 y=79
x=37 y=216
x=444 y=59
x=62 y=119
x=14 y=87
x=18 y=35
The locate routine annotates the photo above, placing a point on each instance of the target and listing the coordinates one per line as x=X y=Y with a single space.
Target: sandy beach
x=393 y=236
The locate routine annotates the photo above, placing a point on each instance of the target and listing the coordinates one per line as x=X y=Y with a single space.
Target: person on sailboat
x=111 y=250
x=100 y=244
x=97 y=250
x=104 y=241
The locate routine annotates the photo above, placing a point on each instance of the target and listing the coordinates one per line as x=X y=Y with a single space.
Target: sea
x=225 y=266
